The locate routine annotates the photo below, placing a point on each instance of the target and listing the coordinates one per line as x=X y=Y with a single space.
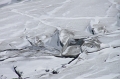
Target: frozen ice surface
x=40 y=18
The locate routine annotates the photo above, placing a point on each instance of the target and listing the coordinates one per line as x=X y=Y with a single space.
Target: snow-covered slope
x=36 y=20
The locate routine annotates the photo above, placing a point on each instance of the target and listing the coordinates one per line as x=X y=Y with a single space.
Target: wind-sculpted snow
x=4 y=3
x=30 y=43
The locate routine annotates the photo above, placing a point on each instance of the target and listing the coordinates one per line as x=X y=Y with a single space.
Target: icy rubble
x=40 y=18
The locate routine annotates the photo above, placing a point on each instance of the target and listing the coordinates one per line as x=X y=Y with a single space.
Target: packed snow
x=38 y=37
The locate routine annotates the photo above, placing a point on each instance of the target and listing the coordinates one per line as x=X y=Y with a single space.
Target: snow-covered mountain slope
x=33 y=21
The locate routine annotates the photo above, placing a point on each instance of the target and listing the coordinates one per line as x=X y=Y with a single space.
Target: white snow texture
x=31 y=25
